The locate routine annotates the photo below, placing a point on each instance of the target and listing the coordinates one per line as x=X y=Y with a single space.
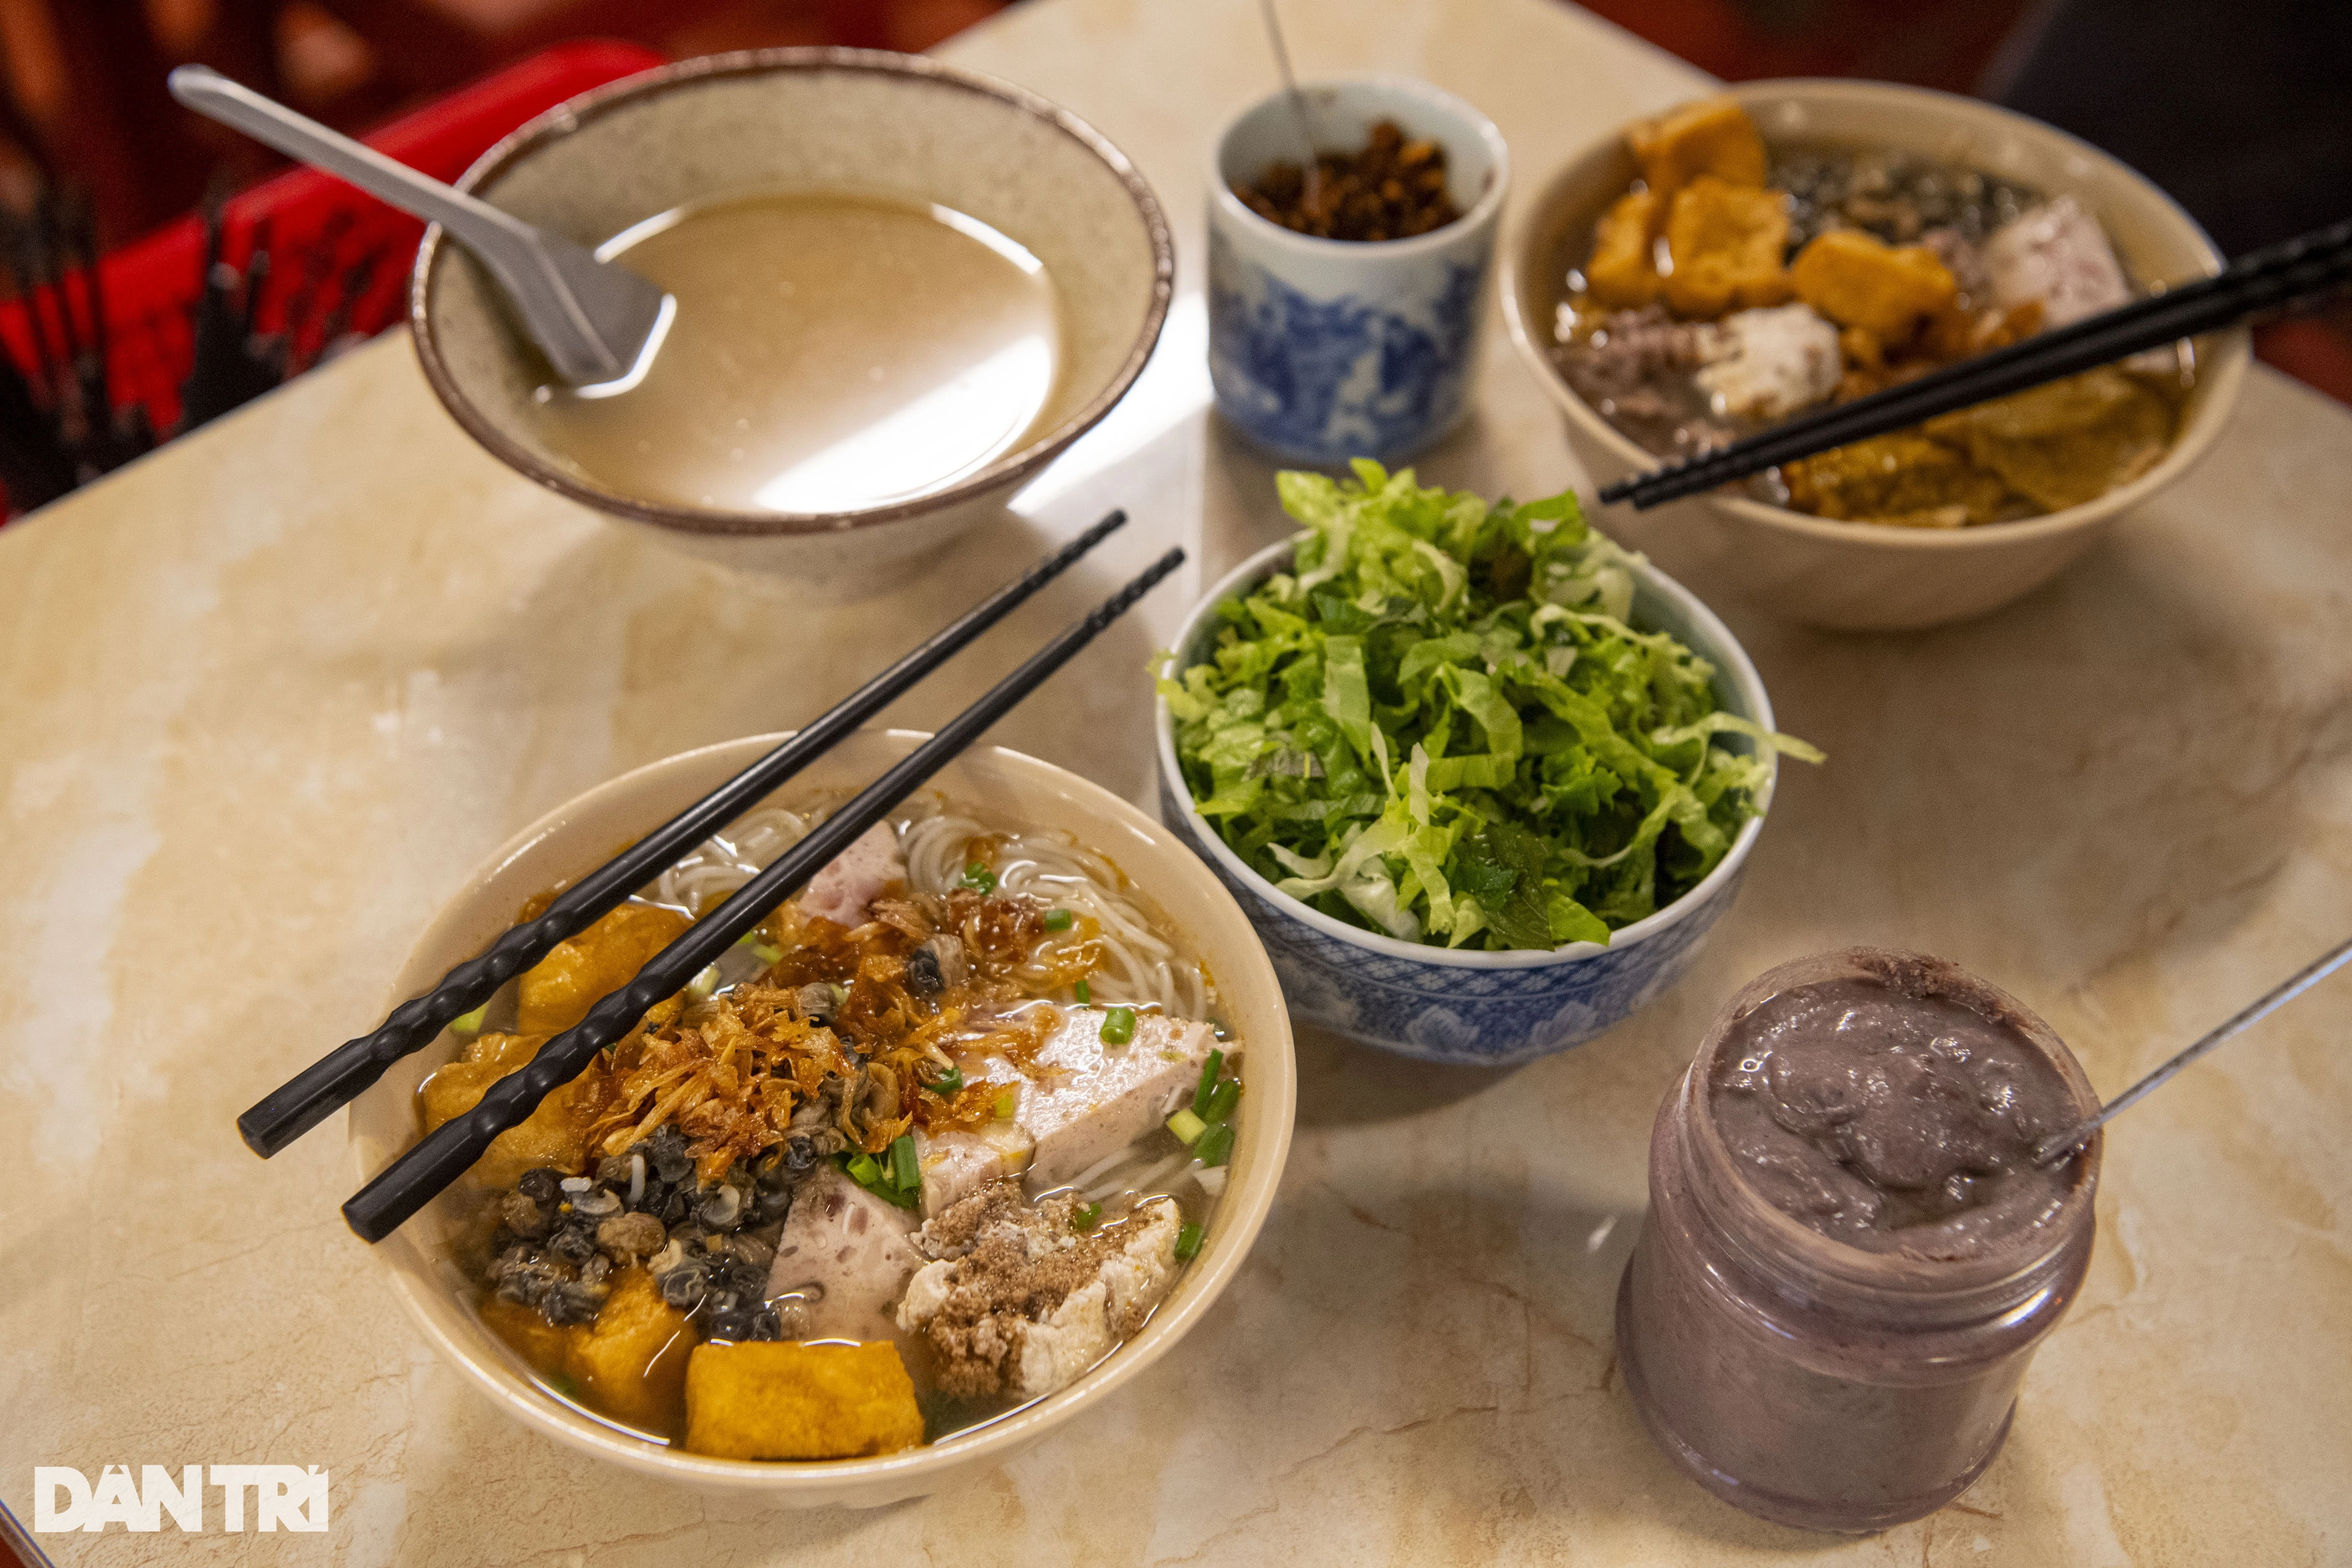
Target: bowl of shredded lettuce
x=1483 y=779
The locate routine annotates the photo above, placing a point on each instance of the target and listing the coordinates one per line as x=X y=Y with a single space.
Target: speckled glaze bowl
x=1862 y=575
x=800 y=120
x=579 y=835
x=1488 y=1009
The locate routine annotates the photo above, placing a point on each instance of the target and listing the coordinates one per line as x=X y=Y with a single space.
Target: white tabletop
x=267 y=696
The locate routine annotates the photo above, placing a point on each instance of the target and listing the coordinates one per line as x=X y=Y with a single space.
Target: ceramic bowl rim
x=569 y=116
x=1243 y=1209
x=1726 y=653
x=1481 y=214
x=2226 y=374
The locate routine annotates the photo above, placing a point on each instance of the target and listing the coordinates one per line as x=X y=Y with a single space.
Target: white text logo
x=285 y=1496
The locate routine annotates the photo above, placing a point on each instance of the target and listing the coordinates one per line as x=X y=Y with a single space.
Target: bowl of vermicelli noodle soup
x=962 y=1137
x=1881 y=230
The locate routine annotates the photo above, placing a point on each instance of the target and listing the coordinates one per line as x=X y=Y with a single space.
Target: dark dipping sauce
x=1892 y=1122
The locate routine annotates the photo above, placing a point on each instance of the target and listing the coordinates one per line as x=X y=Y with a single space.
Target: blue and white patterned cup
x=1490 y=1009
x=1324 y=350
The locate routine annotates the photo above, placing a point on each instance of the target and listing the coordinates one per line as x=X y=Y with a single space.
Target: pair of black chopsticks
x=2302 y=270
x=410 y=1182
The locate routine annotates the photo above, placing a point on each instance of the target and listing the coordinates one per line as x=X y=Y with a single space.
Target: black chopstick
x=337 y=1078
x=2305 y=267
x=441 y=1156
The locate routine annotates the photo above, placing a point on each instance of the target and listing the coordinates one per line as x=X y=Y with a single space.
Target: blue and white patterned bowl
x=1485 y=1008
x=1324 y=350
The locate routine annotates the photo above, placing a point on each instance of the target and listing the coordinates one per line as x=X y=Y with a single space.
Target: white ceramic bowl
x=1863 y=575
x=1453 y=1005
x=798 y=120
x=1324 y=350
x=578 y=835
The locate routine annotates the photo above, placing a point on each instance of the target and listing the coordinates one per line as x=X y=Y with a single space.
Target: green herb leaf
x=979 y=877
x=1441 y=725
x=1084 y=1217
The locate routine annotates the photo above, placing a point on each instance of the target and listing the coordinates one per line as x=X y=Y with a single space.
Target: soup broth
x=829 y=352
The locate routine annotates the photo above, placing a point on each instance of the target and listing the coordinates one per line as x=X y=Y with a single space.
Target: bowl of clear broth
x=902 y=290
x=1737 y=260
x=967 y=1135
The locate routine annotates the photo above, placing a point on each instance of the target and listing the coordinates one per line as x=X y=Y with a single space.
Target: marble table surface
x=267 y=697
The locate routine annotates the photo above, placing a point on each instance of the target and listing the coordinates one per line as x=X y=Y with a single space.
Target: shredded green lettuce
x=1438 y=724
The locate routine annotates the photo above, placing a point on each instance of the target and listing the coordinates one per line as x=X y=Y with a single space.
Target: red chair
x=321 y=235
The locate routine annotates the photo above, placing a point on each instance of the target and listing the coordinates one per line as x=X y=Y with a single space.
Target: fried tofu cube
x=552 y=1135
x=632 y=1359
x=1726 y=241
x=1856 y=281
x=1710 y=136
x=557 y=992
x=1622 y=274
x=780 y=1400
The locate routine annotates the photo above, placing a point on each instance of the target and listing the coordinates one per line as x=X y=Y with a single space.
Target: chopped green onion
x=1118 y=1027
x=1208 y=1070
x=1222 y=1101
x=471 y=1024
x=1083 y=1217
x=903 y=1168
x=947 y=1082
x=704 y=983
x=1188 y=1240
x=1059 y=920
x=766 y=953
x=1004 y=1103
x=1186 y=1126
x=979 y=877
x=1085 y=993
x=876 y=1178
x=1215 y=1146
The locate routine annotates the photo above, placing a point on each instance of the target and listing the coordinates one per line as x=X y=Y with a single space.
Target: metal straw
x=2062 y=1143
x=1297 y=103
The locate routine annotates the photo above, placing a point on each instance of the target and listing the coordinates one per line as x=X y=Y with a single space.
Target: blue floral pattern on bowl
x=1325 y=380
x=1487 y=1008
x=1325 y=350
x=1490 y=1017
